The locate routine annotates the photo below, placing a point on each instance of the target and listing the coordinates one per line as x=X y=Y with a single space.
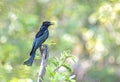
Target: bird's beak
x=51 y=23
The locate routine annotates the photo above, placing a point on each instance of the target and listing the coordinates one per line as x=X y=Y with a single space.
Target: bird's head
x=47 y=23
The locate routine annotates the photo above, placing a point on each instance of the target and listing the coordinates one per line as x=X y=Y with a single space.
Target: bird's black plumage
x=40 y=37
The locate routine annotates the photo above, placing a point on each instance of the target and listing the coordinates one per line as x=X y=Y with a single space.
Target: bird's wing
x=41 y=31
x=38 y=34
x=39 y=40
x=34 y=47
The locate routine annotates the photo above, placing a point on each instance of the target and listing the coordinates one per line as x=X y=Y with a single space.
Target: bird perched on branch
x=40 y=37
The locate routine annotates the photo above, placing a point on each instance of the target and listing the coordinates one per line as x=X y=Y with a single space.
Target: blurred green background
x=88 y=29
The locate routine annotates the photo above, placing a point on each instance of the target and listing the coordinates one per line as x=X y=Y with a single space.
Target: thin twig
x=62 y=63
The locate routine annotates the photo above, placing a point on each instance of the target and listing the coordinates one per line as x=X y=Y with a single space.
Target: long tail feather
x=33 y=50
x=30 y=60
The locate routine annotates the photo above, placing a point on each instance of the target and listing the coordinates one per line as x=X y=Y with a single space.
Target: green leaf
x=67 y=66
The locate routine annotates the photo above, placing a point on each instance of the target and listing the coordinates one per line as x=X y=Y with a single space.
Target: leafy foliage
x=58 y=69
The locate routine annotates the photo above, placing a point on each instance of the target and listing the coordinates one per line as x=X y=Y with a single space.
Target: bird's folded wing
x=38 y=41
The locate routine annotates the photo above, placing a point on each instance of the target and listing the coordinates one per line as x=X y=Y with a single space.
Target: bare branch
x=42 y=70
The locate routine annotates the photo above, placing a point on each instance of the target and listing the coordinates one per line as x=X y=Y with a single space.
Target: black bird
x=40 y=37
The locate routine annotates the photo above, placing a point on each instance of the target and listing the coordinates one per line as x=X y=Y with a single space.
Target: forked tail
x=30 y=60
